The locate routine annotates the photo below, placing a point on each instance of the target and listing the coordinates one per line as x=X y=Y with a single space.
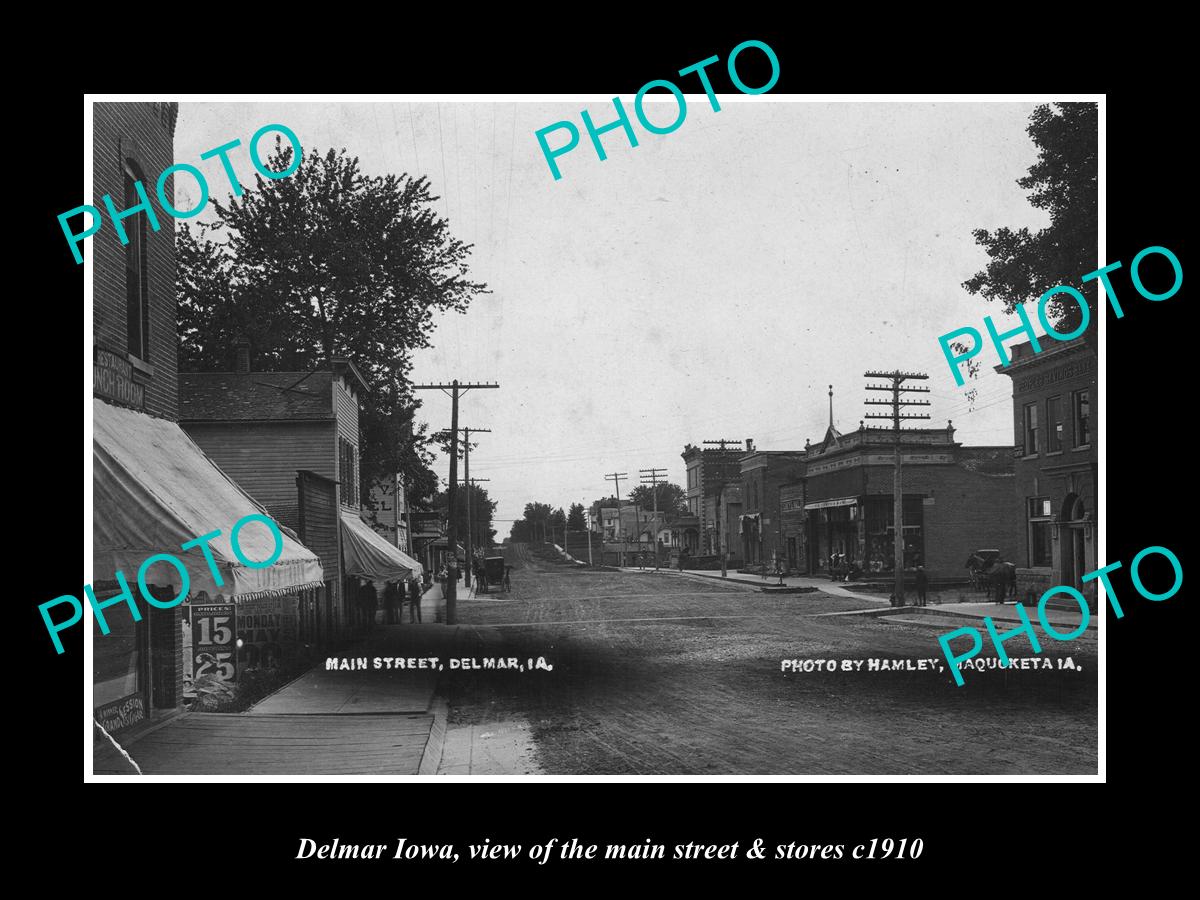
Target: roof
x=255 y=396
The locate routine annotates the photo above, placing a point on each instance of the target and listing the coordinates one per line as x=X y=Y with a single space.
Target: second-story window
x=137 y=286
x=348 y=471
x=1082 y=415
x=1031 y=429
x=1054 y=424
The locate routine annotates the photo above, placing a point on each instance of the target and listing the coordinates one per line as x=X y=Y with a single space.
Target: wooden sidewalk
x=243 y=744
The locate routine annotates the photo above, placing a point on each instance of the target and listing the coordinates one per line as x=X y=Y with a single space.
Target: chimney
x=749 y=445
x=242 y=348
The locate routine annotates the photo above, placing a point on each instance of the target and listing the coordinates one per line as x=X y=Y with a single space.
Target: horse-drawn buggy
x=991 y=574
x=495 y=574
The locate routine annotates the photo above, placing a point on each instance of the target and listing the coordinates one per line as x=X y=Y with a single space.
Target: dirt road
x=657 y=674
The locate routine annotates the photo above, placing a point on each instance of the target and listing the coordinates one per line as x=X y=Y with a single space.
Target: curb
x=431 y=756
x=951 y=614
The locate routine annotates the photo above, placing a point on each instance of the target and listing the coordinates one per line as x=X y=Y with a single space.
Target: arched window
x=137 y=287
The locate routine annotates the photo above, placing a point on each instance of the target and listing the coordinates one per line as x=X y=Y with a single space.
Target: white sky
x=709 y=283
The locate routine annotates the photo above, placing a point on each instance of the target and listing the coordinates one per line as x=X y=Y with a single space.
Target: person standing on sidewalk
x=414 y=598
x=922 y=585
x=392 y=601
x=368 y=602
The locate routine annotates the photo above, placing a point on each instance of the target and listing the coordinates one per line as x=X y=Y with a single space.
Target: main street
x=663 y=674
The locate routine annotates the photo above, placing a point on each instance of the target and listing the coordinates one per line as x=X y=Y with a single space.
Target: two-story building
x=763 y=534
x=708 y=470
x=291 y=440
x=153 y=489
x=1057 y=474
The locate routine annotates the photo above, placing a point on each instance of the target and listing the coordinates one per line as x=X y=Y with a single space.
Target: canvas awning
x=367 y=554
x=154 y=489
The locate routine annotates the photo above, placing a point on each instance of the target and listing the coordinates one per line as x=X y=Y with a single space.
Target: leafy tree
x=672 y=499
x=481 y=513
x=577 y=518
x=328 y=262
x=1025 y=265
x=538 y=522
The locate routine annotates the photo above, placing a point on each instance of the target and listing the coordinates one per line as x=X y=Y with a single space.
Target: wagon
x=978 y=564
x=493 y=570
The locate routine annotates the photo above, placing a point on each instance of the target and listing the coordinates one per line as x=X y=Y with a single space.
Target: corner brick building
x=957 y=500
x=153 y=488
x=1057 y=477
x=138 y=667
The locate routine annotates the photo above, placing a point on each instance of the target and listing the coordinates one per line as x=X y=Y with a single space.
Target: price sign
x=214 y=630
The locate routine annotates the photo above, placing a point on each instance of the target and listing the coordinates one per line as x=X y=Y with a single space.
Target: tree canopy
x=672 y=499
x=327 y=263
x=482 y=510
x=1063 y=181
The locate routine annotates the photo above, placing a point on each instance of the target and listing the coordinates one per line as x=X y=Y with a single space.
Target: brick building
x=1057 y=477
x=709 y=469
x=153 y=489
x=764 y=474
x=956 y=500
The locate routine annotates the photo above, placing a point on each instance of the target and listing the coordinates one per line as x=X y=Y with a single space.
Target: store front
x=833 y=529
x=155 y=490
x=880 y=555
x=368 y=556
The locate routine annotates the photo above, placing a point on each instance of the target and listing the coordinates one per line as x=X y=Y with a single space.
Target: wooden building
x=291 y=440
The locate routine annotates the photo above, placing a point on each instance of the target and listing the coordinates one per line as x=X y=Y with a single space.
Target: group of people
x=395 y=595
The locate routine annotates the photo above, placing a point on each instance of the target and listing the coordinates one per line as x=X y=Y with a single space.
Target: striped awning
x=155 y=490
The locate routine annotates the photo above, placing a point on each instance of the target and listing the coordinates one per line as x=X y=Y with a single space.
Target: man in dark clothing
x=414 y=598
x=391 y=603
x=922 y=584
x=368 y=602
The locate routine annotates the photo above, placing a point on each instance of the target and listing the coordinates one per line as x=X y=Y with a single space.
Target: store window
x=137 y=288
x=1040 y=526
x=1081 y=413
x=1054 y=424
x=117 y=657
x=1031 y=429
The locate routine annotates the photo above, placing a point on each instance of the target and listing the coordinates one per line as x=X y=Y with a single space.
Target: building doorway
x=1072 y=540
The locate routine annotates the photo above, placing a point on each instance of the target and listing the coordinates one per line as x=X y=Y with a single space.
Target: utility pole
x=453 y=390
x=651 y=477
x=467 y=479
x=588 y=531
x=615 y=478
x=407 y=513
x=720 y=445
x=896 y=388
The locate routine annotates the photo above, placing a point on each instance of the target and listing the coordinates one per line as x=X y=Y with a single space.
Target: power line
x=897 y=389
x=456 y=388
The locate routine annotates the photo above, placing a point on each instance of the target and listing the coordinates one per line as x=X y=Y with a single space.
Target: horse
x=1001 y=581
x=995 y=577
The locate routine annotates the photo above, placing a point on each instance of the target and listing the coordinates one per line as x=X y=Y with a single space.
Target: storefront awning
x=154 y=489
x=367 y=554
x=748 y=517
x=829 y=504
